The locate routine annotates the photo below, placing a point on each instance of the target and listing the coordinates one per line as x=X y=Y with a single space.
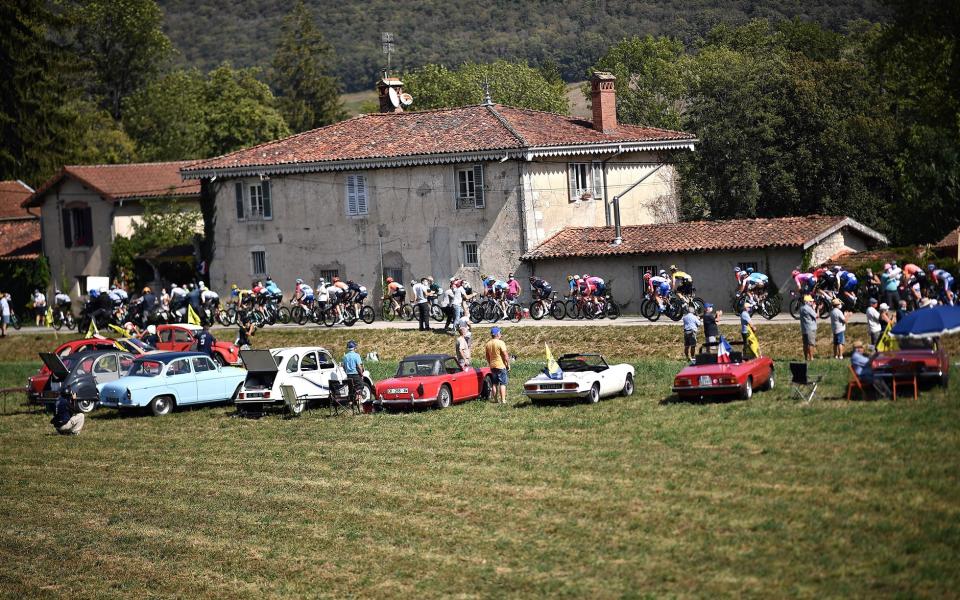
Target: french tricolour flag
x=723 y=351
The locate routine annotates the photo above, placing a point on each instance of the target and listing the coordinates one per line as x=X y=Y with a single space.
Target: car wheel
x=746 y=392
x=770 y=382
x=86 y=406
x=217 y=358
x=161 y=405
x=628 y=386
x=367 y=394
x=444 y=397
x=486 y=390
x=594 y=396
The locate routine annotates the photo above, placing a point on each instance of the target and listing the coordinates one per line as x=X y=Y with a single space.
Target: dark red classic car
x=433 y=380
x=708 y=376
x=922 y=357
x=182 y=337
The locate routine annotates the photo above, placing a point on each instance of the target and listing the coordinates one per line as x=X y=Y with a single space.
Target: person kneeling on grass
x=67 y=420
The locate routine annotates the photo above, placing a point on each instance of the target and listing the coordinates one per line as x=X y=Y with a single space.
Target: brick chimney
x=388 y=105
x=603 y=97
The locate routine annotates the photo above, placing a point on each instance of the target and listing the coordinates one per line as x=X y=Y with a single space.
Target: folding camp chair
x=855 y=383
x=803 y=386
x=294 y=404
x=340 y=397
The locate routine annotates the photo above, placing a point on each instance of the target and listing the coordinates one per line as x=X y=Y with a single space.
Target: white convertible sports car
x=307 y=368
x=585 y=377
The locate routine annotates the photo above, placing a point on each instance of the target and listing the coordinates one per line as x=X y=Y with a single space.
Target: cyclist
x=597 y=289
x=540 y=288
x=805 y=282
x=495 y=288
x=741 y=277
x=273 y=289
x=178 y=300
x=335 y=295
x=573 y=281
x=303 y=293
x=115 y=296
x=755 y=284
x=358 y=294
x=659 y=286
x=942 y=282
x=682 y=282
x=848 y=283
x=395 y=292
x=61 y=302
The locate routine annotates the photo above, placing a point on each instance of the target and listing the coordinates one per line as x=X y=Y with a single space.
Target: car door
x=315 y=382
x=106 y=369
x=210 y=385
x=461 y=382
x=328 y=366
x=183 y=340
x=166 y=338
x=179 y=378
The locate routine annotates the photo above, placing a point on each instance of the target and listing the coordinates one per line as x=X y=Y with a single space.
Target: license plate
x=398 y=391
x=550 y=386
x=706 y=380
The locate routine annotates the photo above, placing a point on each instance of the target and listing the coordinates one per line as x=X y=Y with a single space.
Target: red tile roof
x=12 y=195
x=120 y=182
x=19 y=239
x=693 y=236
x=447 y=131
x=950 y=240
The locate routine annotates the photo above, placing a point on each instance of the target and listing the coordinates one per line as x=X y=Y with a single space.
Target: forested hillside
x=572 y=34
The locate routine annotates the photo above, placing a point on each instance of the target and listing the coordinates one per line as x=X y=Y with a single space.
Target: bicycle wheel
x=367 y=315
x=558 y=311
x=492 y=312
x=330 y=317
x=476 y=312
x=70 y=322
x=57 y=323
x=386 y=311
x=350 y=316
x=283 y=315
x=587 y=311
x=436 y=313
x=406 y=312
x=676 y=309
x=537 y=310
x=571 y=309
x=15 y=321
x=297 y=313
x=795 y=308
x=613 y=310
x=514 y=313
x=699 y=305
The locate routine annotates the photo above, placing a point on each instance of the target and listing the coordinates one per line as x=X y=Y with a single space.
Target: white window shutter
x=361 y=194
x=597 y=179
x=478 y=185
x=351 y=194
x=572 y=171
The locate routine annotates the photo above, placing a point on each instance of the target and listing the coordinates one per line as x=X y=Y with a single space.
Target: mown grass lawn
x=632 y=497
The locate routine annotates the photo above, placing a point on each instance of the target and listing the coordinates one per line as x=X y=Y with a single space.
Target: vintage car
x=711 y=376
x=309 y=369
x=182 y=337
x=585 y=377
x=81 y=375
x=433 y=380
x=165 y=380
x=37 y=382
x=923 y=357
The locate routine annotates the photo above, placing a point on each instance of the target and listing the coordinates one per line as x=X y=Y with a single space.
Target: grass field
x=636 y=496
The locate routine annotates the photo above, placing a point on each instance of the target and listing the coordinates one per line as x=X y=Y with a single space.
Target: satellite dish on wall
x=406 y=99
x=394 y=97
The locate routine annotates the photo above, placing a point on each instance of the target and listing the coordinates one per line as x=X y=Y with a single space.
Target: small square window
x=328 y=274
x=471 y=255
x=396 y=274
x=258 y=259
x=747 y=265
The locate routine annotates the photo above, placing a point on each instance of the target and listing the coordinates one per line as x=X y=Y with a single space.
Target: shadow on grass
x=675 y=399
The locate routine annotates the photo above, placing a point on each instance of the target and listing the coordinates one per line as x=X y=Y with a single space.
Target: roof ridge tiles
x=503 y=120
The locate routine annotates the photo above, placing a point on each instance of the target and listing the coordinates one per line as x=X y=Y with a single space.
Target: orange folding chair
x=855 y=383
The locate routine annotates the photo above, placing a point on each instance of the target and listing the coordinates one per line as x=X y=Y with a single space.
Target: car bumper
x=706 y=390
x=924 y=376
x=551 y=395
x=407 y=401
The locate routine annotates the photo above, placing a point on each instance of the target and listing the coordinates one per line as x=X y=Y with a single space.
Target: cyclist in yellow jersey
x=681 y=282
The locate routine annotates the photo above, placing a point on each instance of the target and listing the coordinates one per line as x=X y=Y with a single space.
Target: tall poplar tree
x=307 y=95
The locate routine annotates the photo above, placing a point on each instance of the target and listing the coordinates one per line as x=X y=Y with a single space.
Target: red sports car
x=922 y=357
x=434 y=380
x=709 y=377
x=36 y=383
x=182 y=337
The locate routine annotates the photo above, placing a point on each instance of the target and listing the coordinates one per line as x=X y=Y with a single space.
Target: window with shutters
x=77 y=224
x=258 y=261
x=254 y=202
x=469 y=187
x=471 y=256
x=586 y=181
x=357 y=199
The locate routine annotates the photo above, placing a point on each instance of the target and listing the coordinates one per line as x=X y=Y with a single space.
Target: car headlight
x=129 y=396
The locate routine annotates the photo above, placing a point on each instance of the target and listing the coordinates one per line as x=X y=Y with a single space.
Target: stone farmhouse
x=462 y=191
x=83 y=208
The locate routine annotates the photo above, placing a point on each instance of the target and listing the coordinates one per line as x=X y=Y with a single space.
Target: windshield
x=917 y=343
x=582 y=363
x=145 y=368
x=421 y=367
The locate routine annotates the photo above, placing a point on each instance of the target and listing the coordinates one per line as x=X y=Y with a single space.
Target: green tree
x=239 y=110
x=514 y=84
x=165 y=224
x=124 y=43
x=307 y=95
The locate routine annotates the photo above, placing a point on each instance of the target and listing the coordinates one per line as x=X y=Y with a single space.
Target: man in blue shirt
x=353 y=367
x=691 y=324
x=66 y=419
x=861 y=366
x=205 y=341
x=746 y=323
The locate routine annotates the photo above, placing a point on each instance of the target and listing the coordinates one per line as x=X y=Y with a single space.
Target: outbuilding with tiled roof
x=707 y=250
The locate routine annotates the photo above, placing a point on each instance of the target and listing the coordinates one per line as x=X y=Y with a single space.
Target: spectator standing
x=808 y=327
x=447 y=300
x=421 y=304
x=710 y=328
x=890 y=284
x=838 y=325
x=463 y=352
x=4 y=313
x=353 y=367
x=67 y=420
x=902 y=310
x=873 y=322
x=691 y=324
x=205 y=341
x=457 y=304
x=39 y=307
x=746 y=323
x=513 y=288
x=499 y=362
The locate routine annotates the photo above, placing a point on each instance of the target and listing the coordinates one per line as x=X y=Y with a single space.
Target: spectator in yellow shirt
x=499 y=362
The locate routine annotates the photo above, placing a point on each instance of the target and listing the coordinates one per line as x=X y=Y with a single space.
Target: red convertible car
x=433 y=380
x=36 y=383
x=710 y=377
x=182 y=337
x=923 y=357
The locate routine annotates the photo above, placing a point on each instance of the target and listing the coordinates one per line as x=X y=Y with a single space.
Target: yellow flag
x=118 y=329
x=753 y=344
x=553 y=368
x=887 y=342
x=48 y=317
x=92 y=330
x=192 y=317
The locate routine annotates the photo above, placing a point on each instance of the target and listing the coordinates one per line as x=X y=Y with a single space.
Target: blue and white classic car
x=164 y=380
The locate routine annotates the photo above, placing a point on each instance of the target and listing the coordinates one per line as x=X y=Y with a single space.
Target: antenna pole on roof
x=487 y=100
x=386 y=43
x=618 y=237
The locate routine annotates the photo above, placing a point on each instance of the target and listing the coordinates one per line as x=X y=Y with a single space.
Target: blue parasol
x=929 y=322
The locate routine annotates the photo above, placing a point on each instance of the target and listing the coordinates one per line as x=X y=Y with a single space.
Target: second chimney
x=603 y=97
x=389 y=102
